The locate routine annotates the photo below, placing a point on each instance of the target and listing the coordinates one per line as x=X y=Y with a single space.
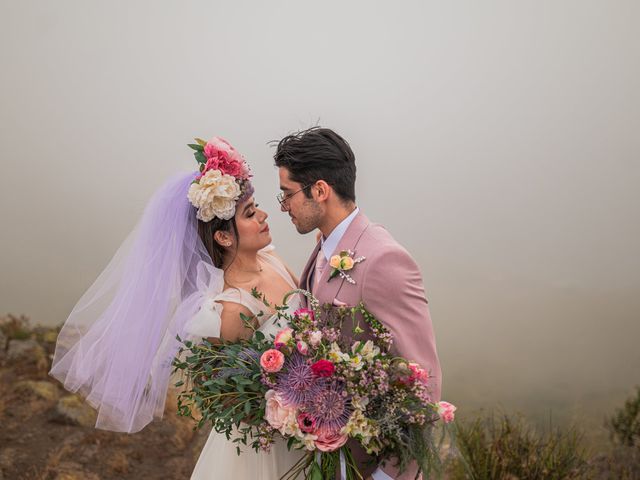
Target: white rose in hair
x=214 y=195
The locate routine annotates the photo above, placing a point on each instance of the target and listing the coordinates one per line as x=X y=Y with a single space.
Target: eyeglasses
x=283 y=199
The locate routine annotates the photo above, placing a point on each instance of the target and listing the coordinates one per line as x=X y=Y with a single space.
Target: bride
x=186 y=271
x=248 y=261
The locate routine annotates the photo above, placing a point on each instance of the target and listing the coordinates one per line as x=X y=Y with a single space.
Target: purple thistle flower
x=330 y=407
x=296 y=382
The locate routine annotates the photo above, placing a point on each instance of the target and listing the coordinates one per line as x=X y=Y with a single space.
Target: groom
x=317 y=177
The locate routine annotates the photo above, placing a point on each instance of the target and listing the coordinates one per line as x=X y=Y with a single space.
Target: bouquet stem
x=337 y=465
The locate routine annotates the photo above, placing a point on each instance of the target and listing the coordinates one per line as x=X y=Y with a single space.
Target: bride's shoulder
x=234 y=295
x=232 y=308
x=233 y=316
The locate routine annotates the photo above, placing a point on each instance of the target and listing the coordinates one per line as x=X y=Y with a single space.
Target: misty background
x=498 y=141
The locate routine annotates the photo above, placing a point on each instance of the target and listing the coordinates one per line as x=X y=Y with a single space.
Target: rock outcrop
x=48 y=433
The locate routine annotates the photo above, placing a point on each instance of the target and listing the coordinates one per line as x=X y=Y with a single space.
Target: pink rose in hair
x=445 y=410
x=212 y=164
x=219 y=147
x=210 y=150
x=272 y=360
x=230 y=167
x=222 y=156
x=329 y=441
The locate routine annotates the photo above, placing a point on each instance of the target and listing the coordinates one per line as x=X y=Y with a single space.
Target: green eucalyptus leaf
x=200 y=157
x=316 y=472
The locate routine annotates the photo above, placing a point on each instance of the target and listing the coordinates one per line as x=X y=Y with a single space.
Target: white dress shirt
x=330 y=244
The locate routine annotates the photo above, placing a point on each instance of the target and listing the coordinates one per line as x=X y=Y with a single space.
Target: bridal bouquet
x=317 y=389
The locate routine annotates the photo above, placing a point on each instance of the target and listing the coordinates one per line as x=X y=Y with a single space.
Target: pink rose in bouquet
x=445 y=410
x=272 y=360
x=283 y=337
x=302 y=347
x=323 y=368
x=306 y=423
x=304 y=312
x=277 y=413
x=417 y=373
x=315 y=337
x=328 y=440
x=318 y=390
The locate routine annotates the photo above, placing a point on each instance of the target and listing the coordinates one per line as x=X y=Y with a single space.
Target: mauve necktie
x=321 y=264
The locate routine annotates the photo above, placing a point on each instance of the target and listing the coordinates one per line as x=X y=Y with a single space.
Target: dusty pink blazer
x=390 y=284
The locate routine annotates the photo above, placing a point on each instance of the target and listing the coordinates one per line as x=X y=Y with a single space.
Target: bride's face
x=253 y=228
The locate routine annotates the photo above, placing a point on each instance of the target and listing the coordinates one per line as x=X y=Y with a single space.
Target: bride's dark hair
x=207 y=230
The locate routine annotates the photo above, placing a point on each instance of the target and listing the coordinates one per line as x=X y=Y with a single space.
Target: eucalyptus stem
x=207 y=397
x=352 y=470
x=298 y=467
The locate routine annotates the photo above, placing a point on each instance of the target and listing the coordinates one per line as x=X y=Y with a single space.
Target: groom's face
x=305 y=213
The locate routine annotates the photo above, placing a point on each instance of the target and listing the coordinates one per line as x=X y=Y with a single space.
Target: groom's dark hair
x=319 y=154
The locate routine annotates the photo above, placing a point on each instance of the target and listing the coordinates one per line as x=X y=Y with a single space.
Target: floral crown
x=222 y=182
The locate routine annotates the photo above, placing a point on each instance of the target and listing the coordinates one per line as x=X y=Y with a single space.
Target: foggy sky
x=498 y=141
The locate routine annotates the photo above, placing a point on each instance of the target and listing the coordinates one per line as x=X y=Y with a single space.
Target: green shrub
x=625 y=423
x=15 y=328
x=623 y=463
x=506 y=448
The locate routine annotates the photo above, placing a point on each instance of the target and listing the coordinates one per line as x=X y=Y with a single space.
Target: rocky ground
x=48 y=434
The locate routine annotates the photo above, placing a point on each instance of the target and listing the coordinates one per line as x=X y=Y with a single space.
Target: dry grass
x=507 y=448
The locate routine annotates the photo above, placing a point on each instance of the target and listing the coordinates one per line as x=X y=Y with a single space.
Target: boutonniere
x=342 y=263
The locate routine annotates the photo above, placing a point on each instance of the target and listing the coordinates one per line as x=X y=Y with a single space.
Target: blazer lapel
x=328 y=287
x=306 y=273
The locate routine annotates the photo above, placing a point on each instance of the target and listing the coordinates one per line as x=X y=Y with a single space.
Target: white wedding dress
x=219 y=458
